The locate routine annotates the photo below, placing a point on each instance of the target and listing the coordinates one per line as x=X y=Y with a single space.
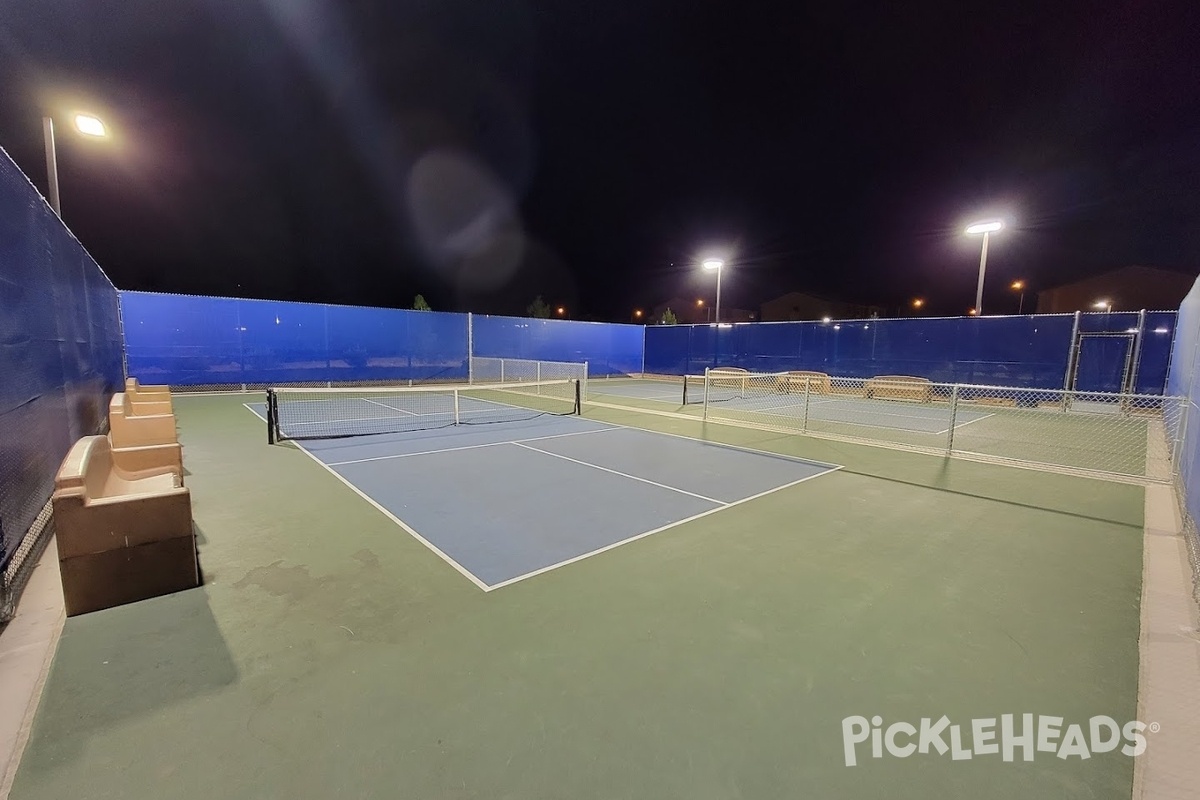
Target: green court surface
x=331 y=654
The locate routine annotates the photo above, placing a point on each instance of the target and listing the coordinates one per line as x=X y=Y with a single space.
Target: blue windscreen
x=60 y=351
x=1026 y=351
x=184 y=340
x=608 y=348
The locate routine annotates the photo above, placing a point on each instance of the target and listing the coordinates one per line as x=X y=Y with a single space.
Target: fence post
x=470 y=348
x=807 y=394
x=705 y=414
x=953 y=419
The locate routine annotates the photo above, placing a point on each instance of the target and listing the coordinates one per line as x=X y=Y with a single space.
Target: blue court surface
x=505 y=502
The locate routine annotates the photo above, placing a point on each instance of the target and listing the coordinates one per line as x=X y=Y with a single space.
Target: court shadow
x=122 y=663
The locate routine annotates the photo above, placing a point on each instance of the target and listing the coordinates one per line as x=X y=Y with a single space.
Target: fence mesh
x=523 y=370
x=1126 y=435
x=60 y=360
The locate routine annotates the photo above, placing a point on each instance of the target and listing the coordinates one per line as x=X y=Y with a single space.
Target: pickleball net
x=301 y=414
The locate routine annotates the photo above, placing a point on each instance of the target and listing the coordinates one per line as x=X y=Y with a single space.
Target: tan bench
x=151 y=399
x=141 y=441
x=729 y=378
x=122 y=536
x=900 y=387
x=797 y=379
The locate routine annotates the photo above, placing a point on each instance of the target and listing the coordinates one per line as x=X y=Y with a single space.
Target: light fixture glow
x=1102 y=304
x=561 y=310
x=89 y=125
x=712 y=263
x=1017 y=286
x=918 y=302
x=699 y=303
x=826 y=319
x=985 y=226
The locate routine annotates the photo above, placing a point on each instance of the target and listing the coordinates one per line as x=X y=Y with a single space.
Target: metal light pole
x=1019 y=286
x=986 y=228
x=717 y=264
x=51 y=163
x=85 y=124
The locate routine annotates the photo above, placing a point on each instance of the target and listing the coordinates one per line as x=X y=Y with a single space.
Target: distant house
x=800 y=306
x=1128 y=289
x=692 y=312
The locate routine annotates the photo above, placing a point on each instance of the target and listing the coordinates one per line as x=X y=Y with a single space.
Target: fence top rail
x=981 y=386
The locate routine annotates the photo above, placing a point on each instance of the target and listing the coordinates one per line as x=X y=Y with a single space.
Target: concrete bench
x=149 y=399
x=142 y=441
x=729 y=378
x=797 y=379
x=900 y=387
x=122 y=536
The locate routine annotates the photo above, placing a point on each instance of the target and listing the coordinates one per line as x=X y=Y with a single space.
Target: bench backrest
x=86 y=468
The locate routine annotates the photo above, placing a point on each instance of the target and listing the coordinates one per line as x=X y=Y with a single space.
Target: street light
x=85 y=124
x=717 y=264
x=637 y=313
x=1019 y=286
x=918 y=303
x=986 y=227
x=561 y=311
x=1104 y=304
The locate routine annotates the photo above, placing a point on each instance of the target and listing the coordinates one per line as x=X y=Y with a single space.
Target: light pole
x=85 y=124
x=986 y=227
x=1019 y=286
x=1104 y=304
x=717 y=264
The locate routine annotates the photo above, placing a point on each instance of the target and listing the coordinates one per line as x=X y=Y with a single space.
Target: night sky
x=484 y=151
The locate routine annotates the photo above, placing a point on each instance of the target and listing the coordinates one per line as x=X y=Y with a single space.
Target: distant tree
x=669 y=318
x=539 y=308
x=420 y=304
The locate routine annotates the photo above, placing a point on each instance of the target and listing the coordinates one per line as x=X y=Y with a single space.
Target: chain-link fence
x=1125 y=435
x=523 y=370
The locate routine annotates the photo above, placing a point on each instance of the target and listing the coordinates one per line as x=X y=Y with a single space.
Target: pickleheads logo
x=1027 y=734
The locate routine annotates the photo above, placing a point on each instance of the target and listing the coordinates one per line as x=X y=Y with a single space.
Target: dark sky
x=484 y=151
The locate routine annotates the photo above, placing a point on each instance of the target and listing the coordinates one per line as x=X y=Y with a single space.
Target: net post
x=807 y=395
x=272 y=416
x=456 y=414
x=953 y=418
x=578 y=399
x=705 y=414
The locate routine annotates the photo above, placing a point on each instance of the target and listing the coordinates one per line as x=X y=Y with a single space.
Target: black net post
x=272 y=417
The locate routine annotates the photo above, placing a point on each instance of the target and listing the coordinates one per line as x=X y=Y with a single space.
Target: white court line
x=488 y=588
x=968 y=422
x=465 y=447
x=865 y=424
x=674 y=396
x=393 y=408
x=622 y=474
x=401 y=523
x=666 y=527
x=709 y=443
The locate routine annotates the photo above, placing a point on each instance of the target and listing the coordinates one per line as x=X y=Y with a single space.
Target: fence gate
x=1103 y=362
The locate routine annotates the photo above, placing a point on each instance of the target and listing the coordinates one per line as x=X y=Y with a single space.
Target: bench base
x=128 y=574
